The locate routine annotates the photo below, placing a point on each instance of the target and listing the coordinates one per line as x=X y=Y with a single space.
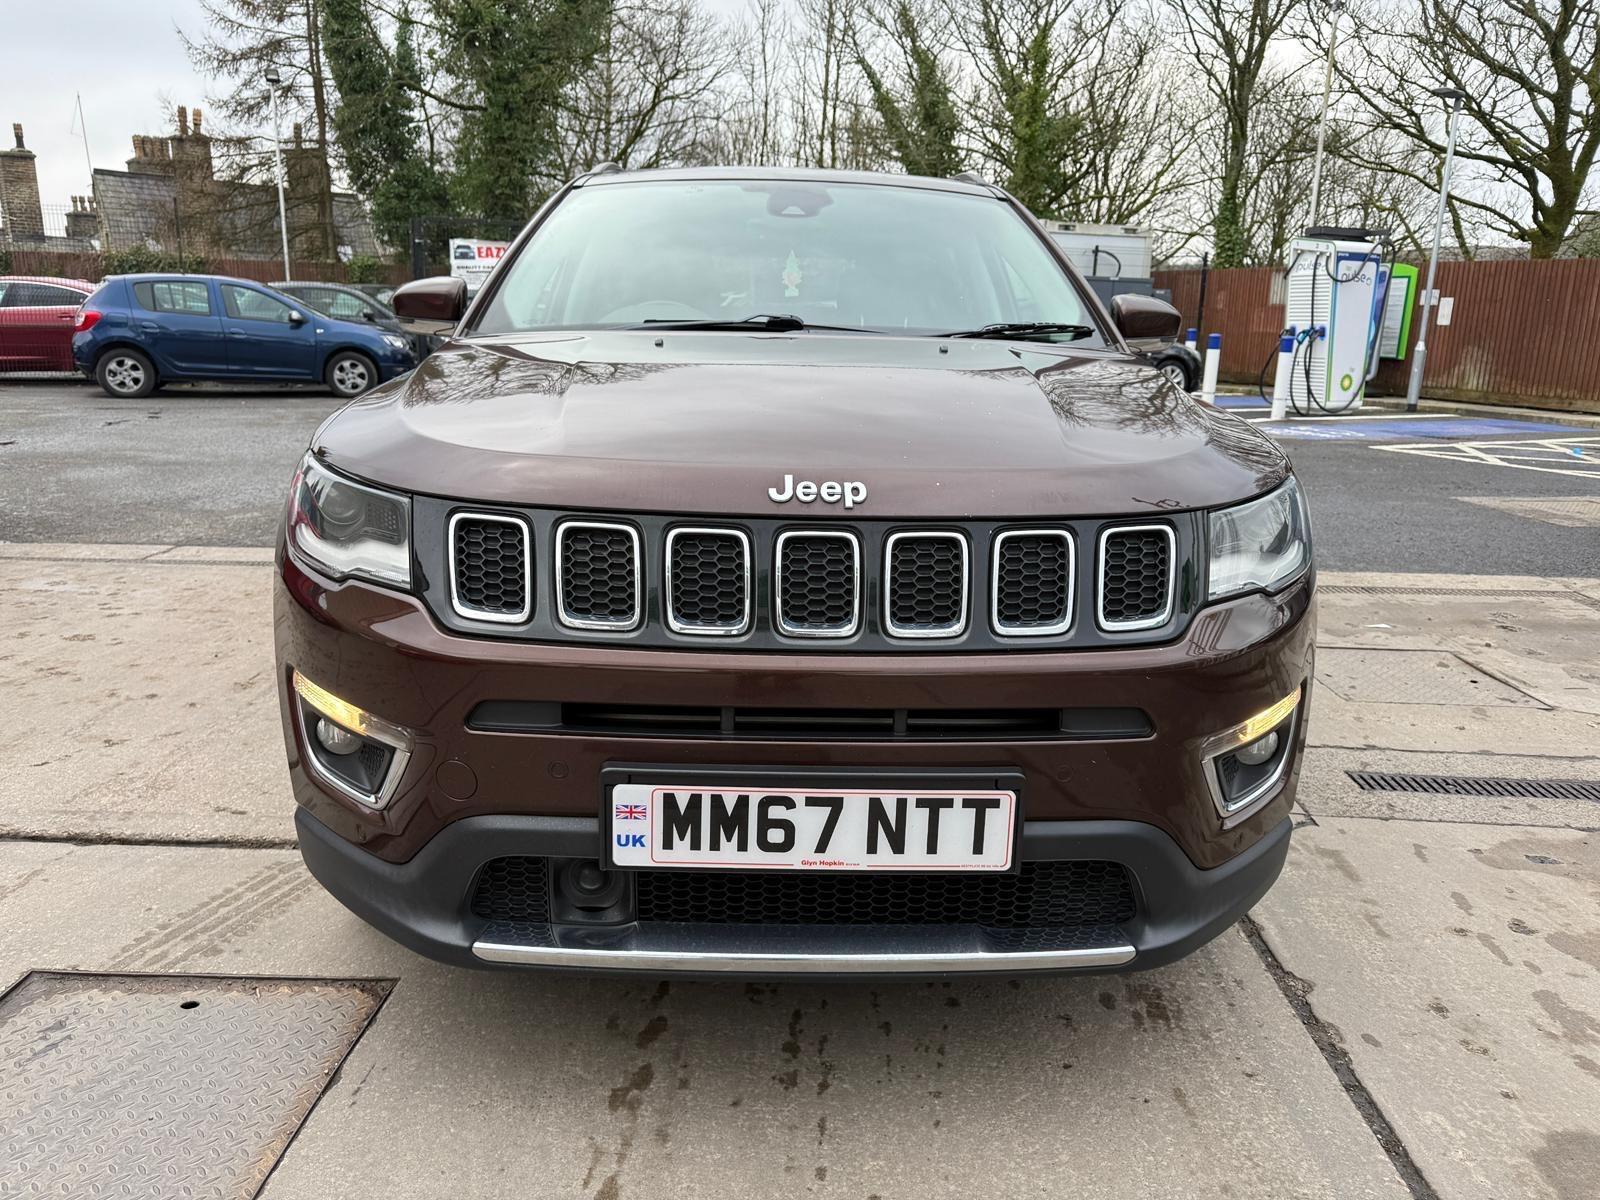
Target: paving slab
x=1194 y=1080
x=1459 y=966
x=150 y=702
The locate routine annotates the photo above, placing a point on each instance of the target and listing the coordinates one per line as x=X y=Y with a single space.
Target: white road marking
x=1551 y=456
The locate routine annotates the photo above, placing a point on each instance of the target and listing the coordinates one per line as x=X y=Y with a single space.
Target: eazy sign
x=472 y=259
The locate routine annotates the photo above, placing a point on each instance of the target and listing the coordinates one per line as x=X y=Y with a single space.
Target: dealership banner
x=473 y=258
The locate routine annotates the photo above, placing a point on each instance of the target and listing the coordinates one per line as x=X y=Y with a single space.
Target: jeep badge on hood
x=829 y=491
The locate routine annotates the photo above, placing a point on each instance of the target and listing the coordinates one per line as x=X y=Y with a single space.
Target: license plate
x=832 y=829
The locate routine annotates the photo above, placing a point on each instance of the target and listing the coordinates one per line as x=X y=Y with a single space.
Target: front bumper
x=424 y=905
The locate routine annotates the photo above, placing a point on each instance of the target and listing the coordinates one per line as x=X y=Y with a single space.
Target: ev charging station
x=1336 y=285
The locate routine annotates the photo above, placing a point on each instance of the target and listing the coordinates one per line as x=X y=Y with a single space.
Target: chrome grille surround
x=473 y=612
x=670 y=599
x=590 y=623
x=790 y=629
x=997 y=593
x=1152 y=620
x=943 y=630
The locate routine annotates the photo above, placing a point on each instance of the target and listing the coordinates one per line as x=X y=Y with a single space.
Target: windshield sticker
x=792 y=276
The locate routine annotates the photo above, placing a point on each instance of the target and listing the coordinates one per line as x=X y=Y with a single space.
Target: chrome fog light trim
x=355 y=720
x=1282 y=719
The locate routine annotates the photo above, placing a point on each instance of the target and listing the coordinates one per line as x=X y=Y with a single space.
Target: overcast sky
x=124 y=56
x=126 y=59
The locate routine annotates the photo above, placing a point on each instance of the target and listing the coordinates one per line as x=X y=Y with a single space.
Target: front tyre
x=1179 y=375
x=348 y=374
x=125 y=374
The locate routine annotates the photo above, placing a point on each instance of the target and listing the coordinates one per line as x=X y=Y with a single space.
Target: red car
x=36 y=321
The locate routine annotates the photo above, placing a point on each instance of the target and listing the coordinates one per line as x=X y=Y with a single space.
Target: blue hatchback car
x=140 y=331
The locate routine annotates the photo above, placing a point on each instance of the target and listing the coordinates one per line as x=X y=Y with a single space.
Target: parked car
x=748 y=588
x=381 y=292
x=348 y=303
x=1178 y=363
x=36 y=321
x=140 y=331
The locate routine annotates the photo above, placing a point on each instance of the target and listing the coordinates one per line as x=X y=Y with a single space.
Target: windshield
x=877 y=257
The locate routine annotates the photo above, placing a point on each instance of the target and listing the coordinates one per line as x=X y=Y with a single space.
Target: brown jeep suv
x=789 y=571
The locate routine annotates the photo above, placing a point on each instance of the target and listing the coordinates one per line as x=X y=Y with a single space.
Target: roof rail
x=971 y=177
x=605 y=168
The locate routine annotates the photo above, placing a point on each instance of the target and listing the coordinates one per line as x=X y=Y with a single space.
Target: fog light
x=1257 y=752
x=335 y=739
x=357 y=753
x=1245 y=766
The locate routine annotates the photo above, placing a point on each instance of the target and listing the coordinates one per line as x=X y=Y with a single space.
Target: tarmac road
x=210 y=467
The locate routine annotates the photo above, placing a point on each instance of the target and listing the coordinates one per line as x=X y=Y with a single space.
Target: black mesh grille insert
x=817 y=583
x=1050 y=894
x=1033 y=581
x=710 y=585
x=513 y=889
x=1043 y=895
x=491 y=566
x=1137 y=572
x=599 y=575
x=927 y=588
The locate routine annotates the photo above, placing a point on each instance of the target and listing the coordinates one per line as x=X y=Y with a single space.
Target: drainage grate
x=166 y=1085
x=1476 y=785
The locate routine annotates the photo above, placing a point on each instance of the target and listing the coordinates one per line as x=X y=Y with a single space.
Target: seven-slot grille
x=1136 y=576
x=812 y=583
x=925 y=585
x=599 y=580
x=708 y=581
x=491 y=567
x=818 y=583
x=1033 y=582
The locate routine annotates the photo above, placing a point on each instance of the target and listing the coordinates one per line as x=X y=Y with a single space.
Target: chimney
x=20 y=210
x=82 y=222
x=299 y=135
x=183 y=121
x=197 y=121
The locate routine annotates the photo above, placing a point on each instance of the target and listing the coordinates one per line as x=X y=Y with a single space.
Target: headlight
x=398 y=342
x=1262 y=544
x=348 y=529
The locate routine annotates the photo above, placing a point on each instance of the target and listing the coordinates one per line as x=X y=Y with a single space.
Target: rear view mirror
x=1145 y=322
x=433 y=305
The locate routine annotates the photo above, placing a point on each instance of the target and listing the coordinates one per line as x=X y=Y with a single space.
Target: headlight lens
x=348 y=529
x=1262 y=544
x=398 y=342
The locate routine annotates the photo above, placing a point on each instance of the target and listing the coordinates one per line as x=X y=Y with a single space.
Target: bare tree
x=1229 y=42
x=1530 y=126
x=649 y=99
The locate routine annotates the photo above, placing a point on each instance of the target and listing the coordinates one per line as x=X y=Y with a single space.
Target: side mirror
x=368 y=315
x=1145 y=322
x=296 y=317
x=433 y=305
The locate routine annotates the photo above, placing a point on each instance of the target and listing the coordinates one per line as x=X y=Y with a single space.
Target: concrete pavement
x=1415 y=1009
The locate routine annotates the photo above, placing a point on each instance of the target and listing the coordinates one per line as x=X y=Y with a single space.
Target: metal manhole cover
x=1571 y=512
x=1373 y=676
x=165 y=1085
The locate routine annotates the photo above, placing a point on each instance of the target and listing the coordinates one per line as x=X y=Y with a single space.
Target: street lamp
x=274 y=81
x=1334 y=9
x=1454 y=97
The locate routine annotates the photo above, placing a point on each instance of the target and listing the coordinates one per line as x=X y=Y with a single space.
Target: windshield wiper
x=764 y=322
x=1022 y=330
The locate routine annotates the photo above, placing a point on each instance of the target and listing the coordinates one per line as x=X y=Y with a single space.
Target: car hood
x=708 y=422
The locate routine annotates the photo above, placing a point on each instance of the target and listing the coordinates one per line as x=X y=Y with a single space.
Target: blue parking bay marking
x=1392 y=428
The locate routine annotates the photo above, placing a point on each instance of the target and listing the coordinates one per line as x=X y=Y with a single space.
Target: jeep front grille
x=708 y=581
x=764 y=584
x=1136 y=576
x=491 y=567
x=1033 y=582
x=817 y=580
x=599 y=578
x=925 y=585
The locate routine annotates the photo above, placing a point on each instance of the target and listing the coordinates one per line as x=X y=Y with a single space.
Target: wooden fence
x=91 y=266
x=1522 y=332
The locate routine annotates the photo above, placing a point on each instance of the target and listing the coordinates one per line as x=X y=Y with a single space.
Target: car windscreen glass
x=879 y=257
x=171 y=296
x=344 y=305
